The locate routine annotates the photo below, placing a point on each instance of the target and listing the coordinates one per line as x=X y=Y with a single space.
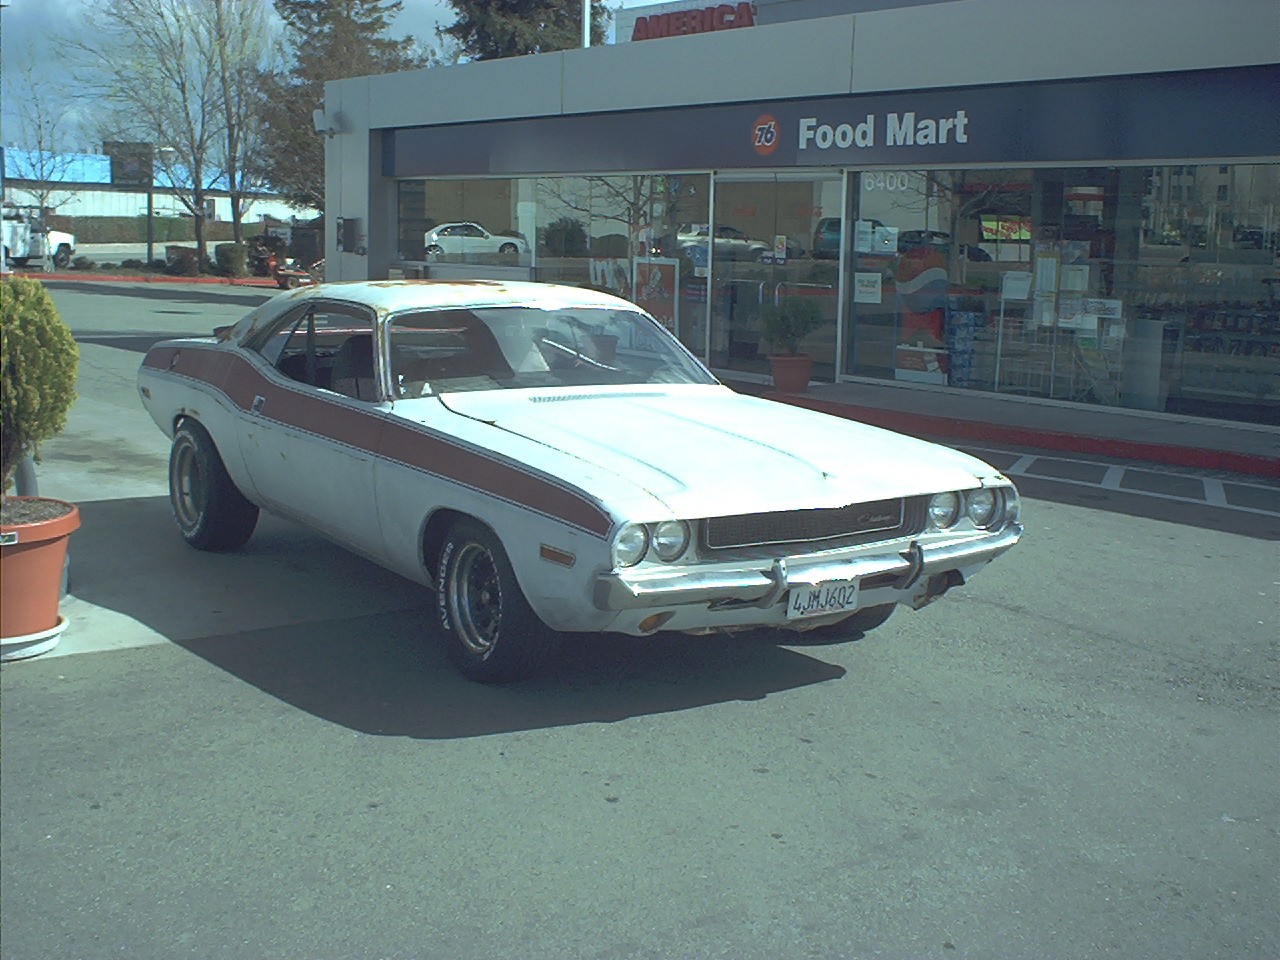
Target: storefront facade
x=1105 y=237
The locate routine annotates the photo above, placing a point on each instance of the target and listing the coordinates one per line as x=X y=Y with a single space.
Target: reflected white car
x=730 y=242
x=550 y=459
x=469 y=240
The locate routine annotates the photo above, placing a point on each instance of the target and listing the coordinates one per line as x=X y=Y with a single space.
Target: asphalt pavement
x=264 y=753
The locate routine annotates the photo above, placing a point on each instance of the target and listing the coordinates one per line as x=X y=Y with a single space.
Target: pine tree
x=492 y=29
x=328 y=40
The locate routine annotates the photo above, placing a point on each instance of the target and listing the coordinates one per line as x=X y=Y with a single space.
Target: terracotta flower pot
x=791 y=371
x=31 y=563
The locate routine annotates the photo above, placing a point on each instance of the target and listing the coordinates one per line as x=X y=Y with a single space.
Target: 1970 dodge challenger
x=551 y=459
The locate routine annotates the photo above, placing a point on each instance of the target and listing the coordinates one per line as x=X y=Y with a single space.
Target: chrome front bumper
x=749 y=583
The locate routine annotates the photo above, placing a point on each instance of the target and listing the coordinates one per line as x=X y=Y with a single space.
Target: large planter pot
x=791 y=371
x=32 y=556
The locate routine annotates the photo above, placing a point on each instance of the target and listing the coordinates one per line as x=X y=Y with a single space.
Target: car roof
x=393 y=296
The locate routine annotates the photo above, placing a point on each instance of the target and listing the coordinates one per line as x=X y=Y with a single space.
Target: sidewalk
x=954 y=414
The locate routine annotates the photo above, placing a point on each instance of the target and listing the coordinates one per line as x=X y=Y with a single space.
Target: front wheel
x=491 y=633
x=62 y=257
x=211 y=513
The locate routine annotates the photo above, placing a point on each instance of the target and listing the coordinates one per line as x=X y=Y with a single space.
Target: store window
x=620 y=234
x=613 y=233
x=771 y=238
x=465 y=221
x=1140 y=287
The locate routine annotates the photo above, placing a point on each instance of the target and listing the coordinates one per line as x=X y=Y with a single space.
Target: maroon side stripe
x=380 y=436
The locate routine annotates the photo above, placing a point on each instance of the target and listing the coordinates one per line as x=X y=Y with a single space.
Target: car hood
x=707 y=451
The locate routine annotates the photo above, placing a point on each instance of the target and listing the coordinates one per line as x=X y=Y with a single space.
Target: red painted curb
x=932 y=426
x=149 y=278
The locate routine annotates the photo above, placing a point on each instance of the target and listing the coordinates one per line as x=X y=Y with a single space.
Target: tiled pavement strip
x=1149 y=480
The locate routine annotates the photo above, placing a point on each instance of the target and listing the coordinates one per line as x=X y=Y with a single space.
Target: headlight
x=670 y=538
x=944 y=509
x=981 y=506
x=631 y=544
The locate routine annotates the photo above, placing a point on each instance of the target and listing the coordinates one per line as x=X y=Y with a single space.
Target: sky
x=27 y=25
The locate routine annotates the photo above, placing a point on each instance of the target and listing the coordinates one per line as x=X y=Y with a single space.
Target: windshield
x=445 y=351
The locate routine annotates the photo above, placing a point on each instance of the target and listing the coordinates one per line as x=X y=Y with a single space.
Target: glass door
x=764 y=245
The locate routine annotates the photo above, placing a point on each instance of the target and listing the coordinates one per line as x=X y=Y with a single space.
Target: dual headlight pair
x=985 y=507
x=668 y=539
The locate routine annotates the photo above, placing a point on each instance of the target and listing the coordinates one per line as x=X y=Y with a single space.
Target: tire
x=210 y=512
x=433 y=250
x=853 y=627
x=62 y=257
x=508 y=250
x=491 y=633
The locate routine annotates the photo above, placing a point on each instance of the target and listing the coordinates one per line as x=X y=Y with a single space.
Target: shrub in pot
x=38 y=358
x=785 y=324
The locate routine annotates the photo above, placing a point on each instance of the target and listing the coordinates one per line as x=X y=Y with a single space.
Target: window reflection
x=1145 y=287
x=1148 y=288
x=773 y=238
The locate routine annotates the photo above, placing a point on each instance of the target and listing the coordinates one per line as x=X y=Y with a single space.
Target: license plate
x=832 y=596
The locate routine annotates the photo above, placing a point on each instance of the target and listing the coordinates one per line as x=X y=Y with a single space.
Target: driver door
x=310 y=435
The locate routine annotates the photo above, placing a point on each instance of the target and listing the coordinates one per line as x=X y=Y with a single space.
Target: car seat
x=353 y=369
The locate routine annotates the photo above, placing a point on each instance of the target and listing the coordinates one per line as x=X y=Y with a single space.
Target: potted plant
x=785 y=324
x=38 y=358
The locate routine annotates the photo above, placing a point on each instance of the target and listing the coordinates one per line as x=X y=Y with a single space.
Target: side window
x=330 y=346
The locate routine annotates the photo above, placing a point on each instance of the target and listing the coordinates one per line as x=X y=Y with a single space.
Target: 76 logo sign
x=765 y=134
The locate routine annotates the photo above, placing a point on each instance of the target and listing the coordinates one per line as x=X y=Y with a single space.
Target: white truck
x=26 y=239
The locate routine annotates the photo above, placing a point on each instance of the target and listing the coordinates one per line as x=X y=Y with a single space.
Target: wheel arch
x=434 y=529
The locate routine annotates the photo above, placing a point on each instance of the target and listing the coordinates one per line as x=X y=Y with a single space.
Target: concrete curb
x=949 y=427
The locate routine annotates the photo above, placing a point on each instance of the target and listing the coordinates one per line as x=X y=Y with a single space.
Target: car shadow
x=337 y=636
x=386 y=675
x=133 y=343
x=169 y=292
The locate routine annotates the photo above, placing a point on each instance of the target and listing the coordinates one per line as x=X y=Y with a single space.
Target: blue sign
x=1174 y=116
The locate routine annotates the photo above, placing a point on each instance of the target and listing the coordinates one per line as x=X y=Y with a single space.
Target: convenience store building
x=1078 y=202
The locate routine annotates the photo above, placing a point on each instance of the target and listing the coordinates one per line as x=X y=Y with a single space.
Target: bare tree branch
x=43 y=123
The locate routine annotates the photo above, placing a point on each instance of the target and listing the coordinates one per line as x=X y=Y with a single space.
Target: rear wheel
x=491 y=632
x=211 y=513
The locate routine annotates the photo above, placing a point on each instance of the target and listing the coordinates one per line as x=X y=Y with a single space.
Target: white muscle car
x=550 y=459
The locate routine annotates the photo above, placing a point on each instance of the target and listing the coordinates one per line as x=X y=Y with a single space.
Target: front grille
x=856 y=523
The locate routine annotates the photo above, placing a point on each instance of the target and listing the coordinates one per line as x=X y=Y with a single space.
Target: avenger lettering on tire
x=490 y=631
x=211 y=513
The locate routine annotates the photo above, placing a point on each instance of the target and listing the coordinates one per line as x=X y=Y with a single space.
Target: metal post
x=151 y=223
x=586 y=23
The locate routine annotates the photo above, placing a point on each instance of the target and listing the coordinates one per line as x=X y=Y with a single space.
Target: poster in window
x=656 y=282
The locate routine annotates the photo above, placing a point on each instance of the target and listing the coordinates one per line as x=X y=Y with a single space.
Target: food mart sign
x=1225 y=113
